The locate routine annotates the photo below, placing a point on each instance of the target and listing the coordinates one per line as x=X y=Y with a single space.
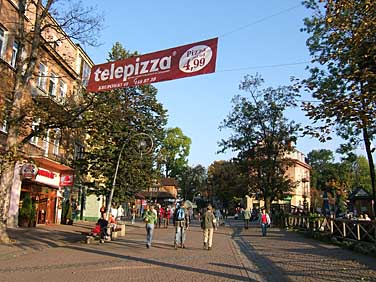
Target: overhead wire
x=259 y=20
x=254 y=23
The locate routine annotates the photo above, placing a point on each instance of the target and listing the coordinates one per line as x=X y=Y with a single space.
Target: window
x=4 y=126
x=42 y=76
x=56 y=142
x=85 y=72
x=62 y=90
x=47 y=143
x=34 y=139
x=78 y=151
x=52 y=85
x=16 y=47
x=2 y=42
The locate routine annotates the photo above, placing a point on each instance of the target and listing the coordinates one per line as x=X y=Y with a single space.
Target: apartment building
x=61 y=70
x=298 y=172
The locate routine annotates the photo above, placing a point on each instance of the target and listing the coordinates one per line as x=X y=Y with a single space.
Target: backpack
x=180 y=214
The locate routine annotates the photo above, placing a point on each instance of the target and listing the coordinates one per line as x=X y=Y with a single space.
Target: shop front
x=46 y=190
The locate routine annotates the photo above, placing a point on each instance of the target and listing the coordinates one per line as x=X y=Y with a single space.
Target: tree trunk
x=5 y=186
x=19 y=105
x=371 y=164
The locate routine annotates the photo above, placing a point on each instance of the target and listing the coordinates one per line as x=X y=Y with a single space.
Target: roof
x=359 y=193
x=168 y=182
x=159 y=195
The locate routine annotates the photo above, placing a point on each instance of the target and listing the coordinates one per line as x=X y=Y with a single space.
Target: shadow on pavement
x=231 y=277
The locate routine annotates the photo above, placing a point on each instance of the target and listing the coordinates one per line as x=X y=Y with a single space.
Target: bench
x=90 y=237
x=114 y=233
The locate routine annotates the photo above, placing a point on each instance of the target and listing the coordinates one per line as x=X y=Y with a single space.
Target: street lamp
x=145 y=145
x=305 y=203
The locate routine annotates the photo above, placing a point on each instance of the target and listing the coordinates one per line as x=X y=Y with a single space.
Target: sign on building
x=183 y=61
x=66 y=180
x=29 y=171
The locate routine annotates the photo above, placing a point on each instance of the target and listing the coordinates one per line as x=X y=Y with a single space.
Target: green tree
x=331 y=177
x=227 y=179
x=342 y=77
x=73 y=21
x=262 y=136
x=192 y=180
x=117 y=121
x=174 y=152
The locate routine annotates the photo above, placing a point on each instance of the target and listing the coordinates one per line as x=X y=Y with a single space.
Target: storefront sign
x=48 y=177
x=29 y=171
x=46 y=173
x=66 y=180
x=183 y=61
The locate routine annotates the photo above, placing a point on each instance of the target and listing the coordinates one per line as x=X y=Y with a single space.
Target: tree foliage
x=342 y=78
x=174 y=152
x=120 y=120
x=262 y=135
x=226 y=180
x=192 y=180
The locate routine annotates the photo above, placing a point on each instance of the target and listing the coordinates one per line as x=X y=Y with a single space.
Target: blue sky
x=254 y=37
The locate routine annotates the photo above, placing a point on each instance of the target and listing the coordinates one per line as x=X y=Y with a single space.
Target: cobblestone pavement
x=58 y=253
x=288 y=256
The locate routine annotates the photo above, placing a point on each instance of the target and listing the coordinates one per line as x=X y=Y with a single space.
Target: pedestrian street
x=237 y=255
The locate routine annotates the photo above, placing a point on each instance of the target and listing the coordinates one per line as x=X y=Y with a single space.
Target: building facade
x=298 y=172
x=61 y=70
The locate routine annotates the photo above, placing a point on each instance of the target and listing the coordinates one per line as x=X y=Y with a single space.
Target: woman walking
x=265 y=222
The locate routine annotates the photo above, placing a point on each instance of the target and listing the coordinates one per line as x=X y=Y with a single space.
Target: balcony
x=42 y=96
x=39 y=153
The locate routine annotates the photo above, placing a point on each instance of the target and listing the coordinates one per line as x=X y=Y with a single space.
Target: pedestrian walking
x=265 y=222
x=133 y=214
x=208 y=224
x=150 y=218
x=247 y=217
x=160 y=215
x=218 y=217
x=181 y=223
x=166 y=217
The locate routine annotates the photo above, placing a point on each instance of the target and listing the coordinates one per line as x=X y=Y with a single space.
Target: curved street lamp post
x=143 y=147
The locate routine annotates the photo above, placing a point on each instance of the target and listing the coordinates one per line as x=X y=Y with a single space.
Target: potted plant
x=25 y=216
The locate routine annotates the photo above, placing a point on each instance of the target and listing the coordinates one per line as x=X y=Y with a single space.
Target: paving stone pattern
x=59 y=253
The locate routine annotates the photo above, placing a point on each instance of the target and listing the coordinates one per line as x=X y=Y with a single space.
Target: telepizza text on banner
x=183 y=61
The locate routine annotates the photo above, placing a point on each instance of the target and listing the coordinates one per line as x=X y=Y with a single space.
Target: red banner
x=183 y=61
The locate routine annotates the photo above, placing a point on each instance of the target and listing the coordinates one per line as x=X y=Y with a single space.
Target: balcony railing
x=37 y=151
x=40 y=93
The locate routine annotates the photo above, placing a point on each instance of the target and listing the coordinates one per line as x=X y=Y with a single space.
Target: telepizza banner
x=183 y=61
